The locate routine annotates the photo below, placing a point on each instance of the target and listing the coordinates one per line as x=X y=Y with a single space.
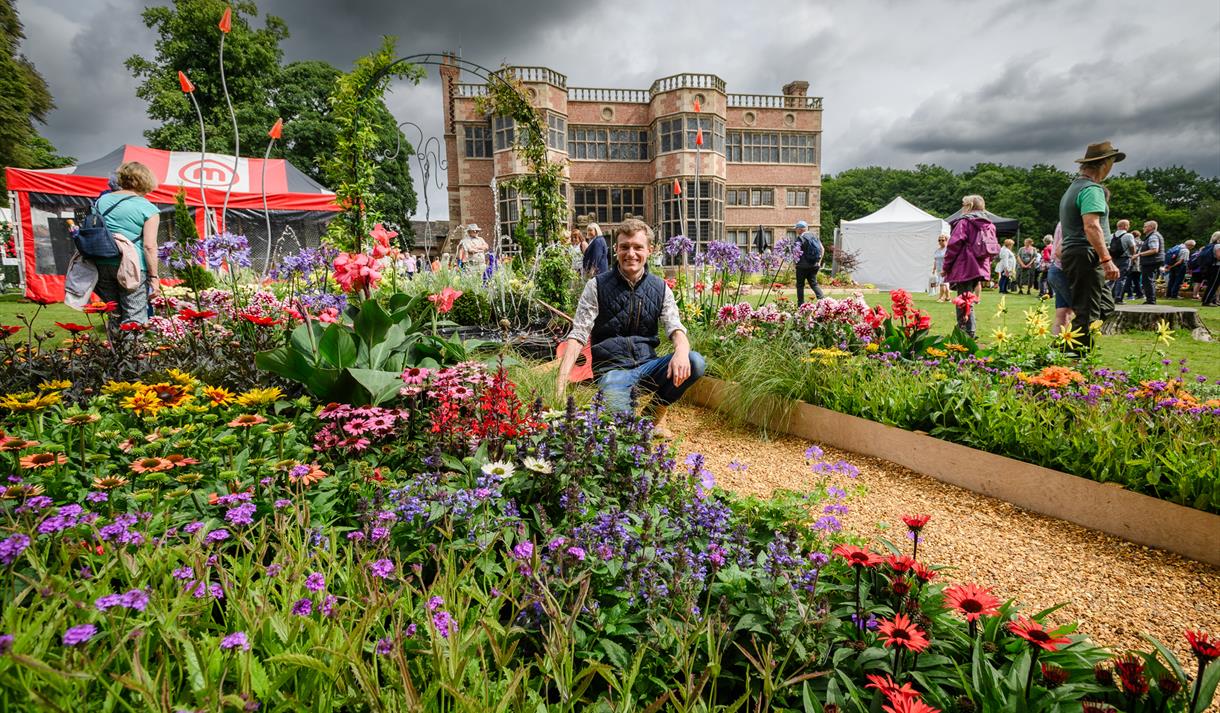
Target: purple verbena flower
x=79 y=634
x=236 y=640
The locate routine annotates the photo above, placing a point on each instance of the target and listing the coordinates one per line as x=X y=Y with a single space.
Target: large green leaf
x=337 y=347
x=300 y=338
x=381 y=385
x=392 y=340
x=371 y=323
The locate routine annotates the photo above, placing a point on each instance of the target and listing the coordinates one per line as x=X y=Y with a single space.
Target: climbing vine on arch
x=544 y=183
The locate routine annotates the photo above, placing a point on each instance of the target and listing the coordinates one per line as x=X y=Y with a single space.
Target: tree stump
x=1145 y=318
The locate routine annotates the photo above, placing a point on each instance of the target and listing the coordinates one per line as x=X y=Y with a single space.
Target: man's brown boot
x=659 y=426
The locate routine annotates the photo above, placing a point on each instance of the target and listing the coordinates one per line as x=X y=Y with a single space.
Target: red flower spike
x=73 y=327
x=1036 y=635
x=187 y=85
x=226 y=21
x=277 y=129
x=902 y=633
x=1205 y=646
x=971 y=600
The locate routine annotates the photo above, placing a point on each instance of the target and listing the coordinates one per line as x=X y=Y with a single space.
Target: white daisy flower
x=537 y=465
x=499 y=470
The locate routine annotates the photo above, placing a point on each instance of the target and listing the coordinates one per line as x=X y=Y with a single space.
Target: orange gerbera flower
x=246 y=420
x=43 y=460
x=152 y=464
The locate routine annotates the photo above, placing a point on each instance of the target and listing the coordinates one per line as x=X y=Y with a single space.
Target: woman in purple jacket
x=968 y=258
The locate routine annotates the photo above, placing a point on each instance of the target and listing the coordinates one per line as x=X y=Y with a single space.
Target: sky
x=948 y=82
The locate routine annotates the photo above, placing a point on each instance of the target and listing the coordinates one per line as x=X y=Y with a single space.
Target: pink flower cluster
x=357 y=271
x=746 y=321
x=356 y=427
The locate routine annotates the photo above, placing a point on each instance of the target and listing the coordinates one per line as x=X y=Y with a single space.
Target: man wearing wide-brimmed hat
x=472 y=251
x=1084 y=215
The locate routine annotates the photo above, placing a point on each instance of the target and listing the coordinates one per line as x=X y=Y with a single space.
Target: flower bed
x=175 y=544
x=1150 y=427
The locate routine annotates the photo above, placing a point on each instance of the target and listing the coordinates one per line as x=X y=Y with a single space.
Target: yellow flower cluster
x=826 y=355
x=28 y=401
x=260 y=397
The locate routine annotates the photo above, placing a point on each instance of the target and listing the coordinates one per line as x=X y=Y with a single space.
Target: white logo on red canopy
x=214 y=171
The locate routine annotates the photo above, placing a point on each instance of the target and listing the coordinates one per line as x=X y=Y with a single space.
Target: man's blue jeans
x=650 y=377
x=1176 y=276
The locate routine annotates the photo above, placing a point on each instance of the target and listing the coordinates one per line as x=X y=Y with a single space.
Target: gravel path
x=1116 y=589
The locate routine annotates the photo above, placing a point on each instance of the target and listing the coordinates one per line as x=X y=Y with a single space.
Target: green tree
x=189 y=41
x=24 y=99
x=261 y=90
x=1178 y=187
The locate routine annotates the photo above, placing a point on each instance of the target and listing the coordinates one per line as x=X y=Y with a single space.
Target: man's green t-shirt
x=127 y=219
x=1091 y=200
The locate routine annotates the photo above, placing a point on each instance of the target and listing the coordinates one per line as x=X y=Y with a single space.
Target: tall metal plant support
x=225 y=25
x=188 y=88
x=437 y=59
x=698 y=160
x=427 y=149
x=275 y=133
x=495 y=216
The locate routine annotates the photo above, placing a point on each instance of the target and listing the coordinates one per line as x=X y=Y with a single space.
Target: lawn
x=12 y=305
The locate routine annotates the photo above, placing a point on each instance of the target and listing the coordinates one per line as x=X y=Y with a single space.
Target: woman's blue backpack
x=94 y=240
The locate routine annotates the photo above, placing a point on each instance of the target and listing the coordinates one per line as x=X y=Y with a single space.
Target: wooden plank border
x=1099 y=506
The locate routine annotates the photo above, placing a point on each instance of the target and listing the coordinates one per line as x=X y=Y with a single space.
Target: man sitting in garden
x=619 y=314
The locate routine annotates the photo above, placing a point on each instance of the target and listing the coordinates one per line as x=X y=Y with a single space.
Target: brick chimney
x=450 y=74
x=796 y=88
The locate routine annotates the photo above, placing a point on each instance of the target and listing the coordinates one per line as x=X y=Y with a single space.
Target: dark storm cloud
x=1144 y=103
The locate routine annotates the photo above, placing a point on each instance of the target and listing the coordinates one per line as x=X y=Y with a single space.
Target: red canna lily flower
x=971 y=600
x=902 y=633
x=8 y=330
x=260 y=320
x=916 y=522
x=74 y=327
x=101 y=307
x=226 y=21
x=889 y=688
x=909 y=705
x=1205 y=646
x=1035 y=634
x=193 y=316
x=445 y=299
x=187 y=85
x=857 y=556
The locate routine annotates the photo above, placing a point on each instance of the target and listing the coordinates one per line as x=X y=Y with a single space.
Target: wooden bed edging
x=1098 y=506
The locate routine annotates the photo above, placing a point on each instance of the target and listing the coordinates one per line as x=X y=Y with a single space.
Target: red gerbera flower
x=971 y=600
x=900 y=563
x=260 y=320
x=1131 y=673
x=101 y=307
x=916 y=522
x=73 y=327
x=1205 y=646
x=924 y=574
x=857 y=556
x=194 y=316
x=901 y=632
x=889 y=688
x=1034 y=633
x=909 y=705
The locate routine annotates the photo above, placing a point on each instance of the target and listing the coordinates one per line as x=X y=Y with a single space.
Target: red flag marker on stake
x=696 y=106
x=186 y=84
x=226 y=21
x=277 y=129
x=699 y=137
x=677 y=188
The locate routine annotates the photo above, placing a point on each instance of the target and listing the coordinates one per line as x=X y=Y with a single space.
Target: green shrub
x=554 y=278
x=472 y=309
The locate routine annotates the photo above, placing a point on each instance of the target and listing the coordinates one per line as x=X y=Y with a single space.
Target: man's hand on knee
x=679 y=368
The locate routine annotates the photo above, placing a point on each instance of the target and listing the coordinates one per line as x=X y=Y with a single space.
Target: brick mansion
x=759 y=163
